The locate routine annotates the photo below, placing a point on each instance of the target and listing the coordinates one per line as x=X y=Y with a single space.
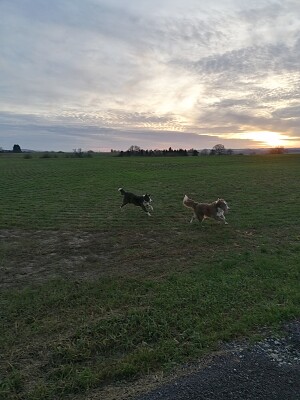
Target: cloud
x=190 y=67
x=45 y=134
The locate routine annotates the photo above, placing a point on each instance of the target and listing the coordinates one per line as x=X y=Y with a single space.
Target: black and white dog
x=140 y=201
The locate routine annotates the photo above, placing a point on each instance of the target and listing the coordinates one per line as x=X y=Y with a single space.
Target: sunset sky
x=102 y=74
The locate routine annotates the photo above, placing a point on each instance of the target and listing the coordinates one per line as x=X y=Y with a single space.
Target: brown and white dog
x=215 y=210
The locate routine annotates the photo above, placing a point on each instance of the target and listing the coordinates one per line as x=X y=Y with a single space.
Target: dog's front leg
x=145 y=209
x=148 y=206
x=222 y=219
x=220 y=216
x=192 y=219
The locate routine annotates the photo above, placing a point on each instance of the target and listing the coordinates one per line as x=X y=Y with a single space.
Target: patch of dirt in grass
x=28 y=257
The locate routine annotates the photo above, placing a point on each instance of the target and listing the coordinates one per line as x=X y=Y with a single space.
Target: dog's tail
x=121 y=190
x=189 y=203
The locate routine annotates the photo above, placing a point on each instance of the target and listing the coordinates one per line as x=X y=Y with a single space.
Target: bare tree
x=219 y=149
x=134 y=149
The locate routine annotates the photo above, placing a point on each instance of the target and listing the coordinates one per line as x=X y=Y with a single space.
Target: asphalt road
x=268 y=370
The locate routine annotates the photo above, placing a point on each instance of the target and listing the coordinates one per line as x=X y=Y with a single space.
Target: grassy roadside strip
x=63 y=338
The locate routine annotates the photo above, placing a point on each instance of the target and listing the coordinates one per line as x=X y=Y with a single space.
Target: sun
x=268 y=138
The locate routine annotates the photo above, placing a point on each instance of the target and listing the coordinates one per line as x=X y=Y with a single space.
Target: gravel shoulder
x=269 y=369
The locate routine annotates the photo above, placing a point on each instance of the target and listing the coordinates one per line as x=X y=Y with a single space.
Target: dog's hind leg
x=201 y=217
x=123 y=204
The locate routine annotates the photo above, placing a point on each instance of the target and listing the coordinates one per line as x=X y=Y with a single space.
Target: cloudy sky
x=102 y=74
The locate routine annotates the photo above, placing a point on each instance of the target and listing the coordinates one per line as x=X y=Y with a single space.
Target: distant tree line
x=137 y=151
x=218 y=149
x=277 y=150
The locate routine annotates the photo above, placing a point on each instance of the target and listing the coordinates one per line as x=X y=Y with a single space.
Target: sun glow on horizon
x=265 y=138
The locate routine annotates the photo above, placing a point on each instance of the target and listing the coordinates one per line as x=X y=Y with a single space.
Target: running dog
x=215 y=210
x=140 y=201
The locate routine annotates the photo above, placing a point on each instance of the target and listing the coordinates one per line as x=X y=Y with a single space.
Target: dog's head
x=222 y=204
x=147 y=198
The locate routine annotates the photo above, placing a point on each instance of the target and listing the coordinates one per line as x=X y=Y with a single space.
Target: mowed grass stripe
x=67 y=190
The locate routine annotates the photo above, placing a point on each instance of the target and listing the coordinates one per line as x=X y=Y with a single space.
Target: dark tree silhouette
x=134 y=149
x=277 y=150
x=219 y=149
x=17 y=149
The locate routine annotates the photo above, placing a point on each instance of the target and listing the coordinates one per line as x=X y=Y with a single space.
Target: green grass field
x=92 y=295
